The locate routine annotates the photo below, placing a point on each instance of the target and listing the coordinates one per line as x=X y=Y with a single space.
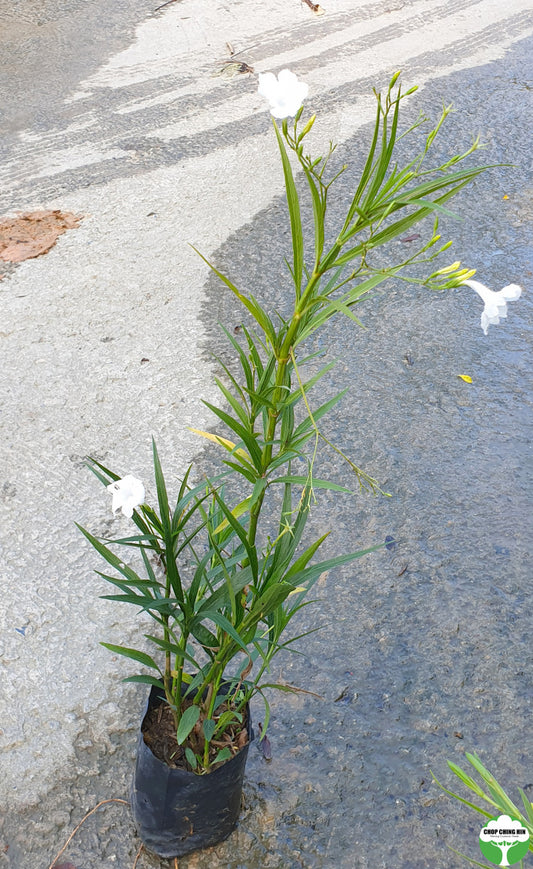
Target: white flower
x=284 y=93
x=495 y=302
x=128 y=493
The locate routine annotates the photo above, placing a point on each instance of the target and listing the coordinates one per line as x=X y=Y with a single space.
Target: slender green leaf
x=296 y=394
x=133 y=654
x=191 y=757
x=177 y=650
x=310 y=574
x=166 y=521
x=496 y=790
x=251 y=551
x=228 y=717
x=247 y=439
x=319 y=413
x=528 y=807
x=161 y=489
x=468 y=781
x=461 y=800
x=223 y=755
x=243 y=359
x=109 y=477
x=259 y=315
x=109 y=556
x=145 y=680
x=469 y=859
x=366 y=174
x=267 y=709
x=207 y=640
x=242 y=412
x=314 y=482
x=127 y=584
x=294 y=214
x=198 y=578
x=219 y=619
x=187 y=722
x=145 y=604
x=303 y=560
x=250 y=475
x=271 y=598
x=426 y=203
x=399 y=227
x=209 y=728
x=319 y=208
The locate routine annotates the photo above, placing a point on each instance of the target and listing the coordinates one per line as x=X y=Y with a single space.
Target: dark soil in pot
x=159 y=733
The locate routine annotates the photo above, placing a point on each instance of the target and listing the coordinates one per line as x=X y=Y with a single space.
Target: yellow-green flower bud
x=307 y=127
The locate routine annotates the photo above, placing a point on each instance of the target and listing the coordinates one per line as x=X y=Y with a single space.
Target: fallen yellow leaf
x=465 y=377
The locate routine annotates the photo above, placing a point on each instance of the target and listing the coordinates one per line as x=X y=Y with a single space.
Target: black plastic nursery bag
x=177 y=811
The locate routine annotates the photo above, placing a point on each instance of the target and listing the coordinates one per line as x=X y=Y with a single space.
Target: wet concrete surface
x=430 y=655
x=46 y=47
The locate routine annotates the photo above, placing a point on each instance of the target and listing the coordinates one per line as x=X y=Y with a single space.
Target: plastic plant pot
x=177 y=811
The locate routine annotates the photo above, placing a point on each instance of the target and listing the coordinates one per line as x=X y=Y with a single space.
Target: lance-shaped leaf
x=187 y=722
x=133 y=655
x=252 y=305
x=223 y=442
x=247 y=439
x=294 y=214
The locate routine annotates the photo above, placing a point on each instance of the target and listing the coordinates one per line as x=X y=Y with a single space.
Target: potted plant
x=223 y=567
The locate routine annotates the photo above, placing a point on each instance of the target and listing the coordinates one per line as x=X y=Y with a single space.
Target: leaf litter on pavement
x=33 y=233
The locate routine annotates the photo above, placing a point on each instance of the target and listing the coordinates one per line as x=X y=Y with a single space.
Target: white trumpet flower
x=284 y=93
x=128 y=493
x=495 y=302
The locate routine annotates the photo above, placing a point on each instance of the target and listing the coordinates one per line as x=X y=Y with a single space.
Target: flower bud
x=307 y=127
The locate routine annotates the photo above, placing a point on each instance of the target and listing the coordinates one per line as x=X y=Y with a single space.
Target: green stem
x=167 y=677
x=178 y=680
x=283 y=356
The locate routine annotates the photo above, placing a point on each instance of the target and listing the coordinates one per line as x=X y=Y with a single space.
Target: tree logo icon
x=504 y=840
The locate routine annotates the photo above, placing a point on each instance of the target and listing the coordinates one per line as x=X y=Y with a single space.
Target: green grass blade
x=243 y=359
x=498 y=793
x=251 y=551
x=109 y=477
x=162 y=496
x=176 y=650
x=166 y=522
